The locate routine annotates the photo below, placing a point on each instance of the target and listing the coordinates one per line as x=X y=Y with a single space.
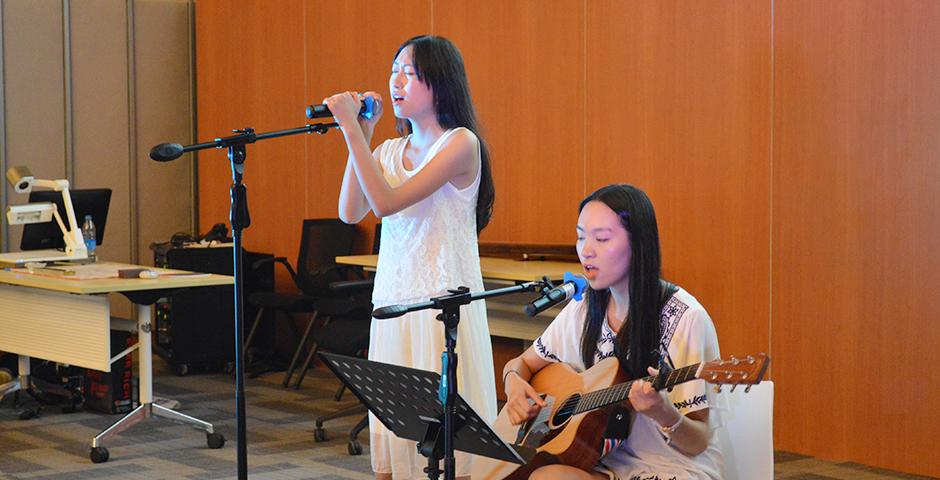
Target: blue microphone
x=322 y=111
x=573 y=286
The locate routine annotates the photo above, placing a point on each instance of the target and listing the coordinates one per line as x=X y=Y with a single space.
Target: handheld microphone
x=572 y=287
x=322 y=111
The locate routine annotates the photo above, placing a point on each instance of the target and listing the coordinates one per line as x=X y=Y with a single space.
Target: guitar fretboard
x=618 y=393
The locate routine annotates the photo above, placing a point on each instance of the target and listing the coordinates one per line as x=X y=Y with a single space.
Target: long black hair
x=439 y=65
x=637 y=342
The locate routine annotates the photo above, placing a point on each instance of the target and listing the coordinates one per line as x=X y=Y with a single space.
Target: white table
x=67 y=319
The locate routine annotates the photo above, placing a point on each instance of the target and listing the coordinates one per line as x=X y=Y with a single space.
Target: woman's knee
x=559 y=472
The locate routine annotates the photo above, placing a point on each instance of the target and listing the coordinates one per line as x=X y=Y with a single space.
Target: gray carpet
x=280 y=438
x=280 y=435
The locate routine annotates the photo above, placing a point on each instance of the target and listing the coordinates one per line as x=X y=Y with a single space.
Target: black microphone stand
x=447 y=393
x=240 y=220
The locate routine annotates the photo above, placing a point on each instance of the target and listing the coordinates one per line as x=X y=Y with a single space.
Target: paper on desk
x=74 y=272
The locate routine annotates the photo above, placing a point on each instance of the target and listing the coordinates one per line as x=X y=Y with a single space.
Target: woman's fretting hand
x=647 y=401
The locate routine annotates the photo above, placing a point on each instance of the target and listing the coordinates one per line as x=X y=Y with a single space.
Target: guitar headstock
x=735 y=371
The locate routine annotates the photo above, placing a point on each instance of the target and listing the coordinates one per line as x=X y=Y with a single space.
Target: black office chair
x=347 y=334
x=321 y=241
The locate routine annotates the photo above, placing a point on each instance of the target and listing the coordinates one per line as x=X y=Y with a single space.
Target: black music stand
x=407 y=401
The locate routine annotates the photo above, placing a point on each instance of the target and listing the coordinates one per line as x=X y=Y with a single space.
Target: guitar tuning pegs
x=747 y=389
x=733 y=387
x=734 y=360
x=750 y=359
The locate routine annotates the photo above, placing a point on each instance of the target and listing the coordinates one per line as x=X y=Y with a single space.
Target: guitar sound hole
x=565 y=411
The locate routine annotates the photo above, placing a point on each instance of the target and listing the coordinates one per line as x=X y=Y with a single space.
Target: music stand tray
x=406 y=401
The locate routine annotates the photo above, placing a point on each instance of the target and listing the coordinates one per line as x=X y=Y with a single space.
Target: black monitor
x=92 y=201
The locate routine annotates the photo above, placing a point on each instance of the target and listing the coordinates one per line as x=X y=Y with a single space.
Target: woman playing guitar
x=631 y=313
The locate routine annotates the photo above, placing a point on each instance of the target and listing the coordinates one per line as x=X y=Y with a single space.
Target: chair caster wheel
x=99 y=455
x=354 y=447
x=319 y=435
x=215 y=440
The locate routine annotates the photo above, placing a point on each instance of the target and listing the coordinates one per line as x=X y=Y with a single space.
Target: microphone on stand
x=322 y=111
x=573 y=287
x=166 y=152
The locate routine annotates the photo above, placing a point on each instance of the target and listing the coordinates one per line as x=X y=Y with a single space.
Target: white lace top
x=430 y=246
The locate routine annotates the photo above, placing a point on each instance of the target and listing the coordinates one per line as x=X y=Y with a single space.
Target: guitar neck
x=618 y=393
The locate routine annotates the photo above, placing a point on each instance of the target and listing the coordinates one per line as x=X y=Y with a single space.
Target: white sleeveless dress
x=426 y=249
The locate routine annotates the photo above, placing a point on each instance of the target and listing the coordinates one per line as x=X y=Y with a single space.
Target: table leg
x=21 y=382
x=147 y=408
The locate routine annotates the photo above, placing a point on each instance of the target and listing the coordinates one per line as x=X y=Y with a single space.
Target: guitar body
x=569 y=429
x=576 y=441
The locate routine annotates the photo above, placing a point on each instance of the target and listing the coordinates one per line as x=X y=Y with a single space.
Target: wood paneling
x=250 y=64
x=34 y=93
x=359 y=62
x=100 y=115
x=855 y=231
x=163 y=89
x=678 y=104
x=526 y=69
x=790 y=149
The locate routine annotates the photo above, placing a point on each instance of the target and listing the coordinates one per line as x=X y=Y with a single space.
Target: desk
x=492 y=268
x=505 y=314
x=68 y=321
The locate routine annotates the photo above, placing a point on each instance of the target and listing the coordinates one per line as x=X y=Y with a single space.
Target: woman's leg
x=564 y=472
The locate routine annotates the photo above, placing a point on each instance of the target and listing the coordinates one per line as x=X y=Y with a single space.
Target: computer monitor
x=92 y=201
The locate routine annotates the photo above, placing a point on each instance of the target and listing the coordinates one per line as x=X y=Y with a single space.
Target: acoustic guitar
x=569 y=429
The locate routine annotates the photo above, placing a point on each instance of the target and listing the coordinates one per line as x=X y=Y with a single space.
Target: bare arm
x=517 y=374
x=353 y=206
x=455 y=159
x=691 y=432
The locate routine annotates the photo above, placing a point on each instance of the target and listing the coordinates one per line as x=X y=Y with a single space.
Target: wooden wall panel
x=526 y=69
x=790 y=149
x=856 y=228
x=678 y=105
x=250 y=64
x=34 y=93
x=101 y=144
x=357 y=59
x=164 y=99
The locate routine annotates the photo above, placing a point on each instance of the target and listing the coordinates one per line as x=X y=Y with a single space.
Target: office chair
x=321 y=241
x=347 y=335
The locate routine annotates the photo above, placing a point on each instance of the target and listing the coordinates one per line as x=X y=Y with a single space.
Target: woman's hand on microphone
x=368 y=124
x=344 y=107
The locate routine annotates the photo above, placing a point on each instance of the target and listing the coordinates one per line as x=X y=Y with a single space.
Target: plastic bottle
x=90 y=236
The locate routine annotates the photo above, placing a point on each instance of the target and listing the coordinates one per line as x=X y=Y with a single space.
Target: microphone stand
x=447 y=392
x=240 y=220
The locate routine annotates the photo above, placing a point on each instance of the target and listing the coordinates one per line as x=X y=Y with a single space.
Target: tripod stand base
x=100 y=454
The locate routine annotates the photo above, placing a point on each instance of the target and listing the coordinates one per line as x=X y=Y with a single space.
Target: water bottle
x=90 y=236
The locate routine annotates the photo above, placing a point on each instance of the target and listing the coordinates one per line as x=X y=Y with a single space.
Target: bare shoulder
x=462 y=139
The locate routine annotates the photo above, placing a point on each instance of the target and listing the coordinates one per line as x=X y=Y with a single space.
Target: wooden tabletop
x=74 y=283
x=494 y=268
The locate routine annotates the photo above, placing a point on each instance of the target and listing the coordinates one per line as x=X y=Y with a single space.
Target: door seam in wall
x=67 y=94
